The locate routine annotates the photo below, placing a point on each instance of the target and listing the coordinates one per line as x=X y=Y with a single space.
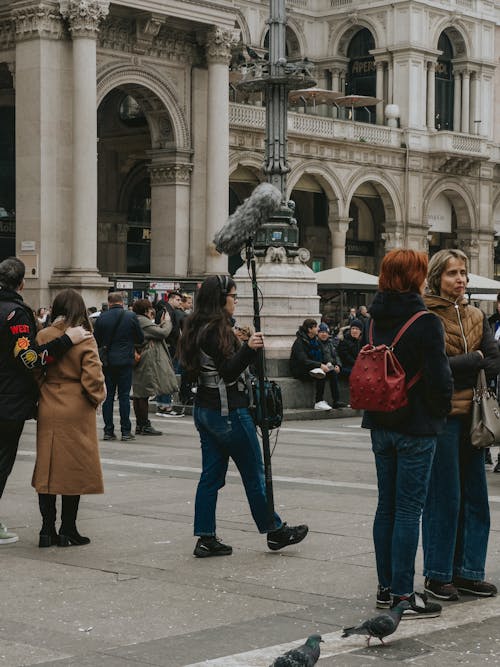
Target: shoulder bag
x=485 y=427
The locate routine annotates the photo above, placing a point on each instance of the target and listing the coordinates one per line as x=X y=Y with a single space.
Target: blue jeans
x=403 y=471
x=117 y=377
x=456 y=520
x=223 y=437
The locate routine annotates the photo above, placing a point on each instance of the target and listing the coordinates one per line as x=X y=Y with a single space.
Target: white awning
x=342 y=278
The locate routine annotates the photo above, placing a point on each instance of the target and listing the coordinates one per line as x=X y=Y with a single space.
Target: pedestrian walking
x=154 y=373
x=456 y=519
x=404 y=444
x=19 y=356
x=67 y=452
x=211 y=353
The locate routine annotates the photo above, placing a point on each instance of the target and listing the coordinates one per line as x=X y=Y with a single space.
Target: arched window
x=361 y=74
x=444 y=85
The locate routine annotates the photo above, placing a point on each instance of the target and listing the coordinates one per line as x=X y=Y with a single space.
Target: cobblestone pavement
x=137 y=596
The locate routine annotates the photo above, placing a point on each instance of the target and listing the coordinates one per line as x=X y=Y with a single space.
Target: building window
x=444 y=85
x=139 y=229
x=361 y=74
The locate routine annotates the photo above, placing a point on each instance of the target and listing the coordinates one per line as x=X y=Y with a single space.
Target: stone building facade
x=125 y=141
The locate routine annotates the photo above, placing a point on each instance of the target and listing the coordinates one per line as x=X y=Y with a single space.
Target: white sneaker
x=6 y=537
x=322 y=405
x=317 y=373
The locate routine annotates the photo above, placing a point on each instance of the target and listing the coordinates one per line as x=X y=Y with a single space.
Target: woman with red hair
x=404 y=444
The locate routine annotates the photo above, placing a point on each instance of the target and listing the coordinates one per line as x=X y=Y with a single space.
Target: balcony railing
x=452 y=142
x=309 y=125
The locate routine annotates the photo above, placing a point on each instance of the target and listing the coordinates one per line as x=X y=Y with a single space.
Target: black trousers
x=9 y=440
x=333 y=380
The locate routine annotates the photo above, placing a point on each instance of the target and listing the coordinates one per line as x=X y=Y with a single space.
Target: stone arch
x=294 y=35
x=461 y=198
x=326 y=178
x=386 y=189
x=252 y=161
x=156 y=96
x=340 y=37
x=242 y=25
x=457 y=35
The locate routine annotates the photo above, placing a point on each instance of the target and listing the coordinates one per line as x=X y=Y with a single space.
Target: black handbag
x=104 y=349
x=273 y=402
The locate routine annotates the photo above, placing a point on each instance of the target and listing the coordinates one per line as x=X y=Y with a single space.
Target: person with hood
x=350 y=345
x=306 y=360
x=404 y=444
x=456 y=519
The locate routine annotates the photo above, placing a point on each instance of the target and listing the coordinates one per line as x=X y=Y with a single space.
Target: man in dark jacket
x=119 y=331
x=306 y=360
x=174 y=310
x=331 y=358
x=350 y=346
x=19 y=355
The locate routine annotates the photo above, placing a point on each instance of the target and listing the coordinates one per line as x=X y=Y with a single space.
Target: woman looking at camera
x=211 y=354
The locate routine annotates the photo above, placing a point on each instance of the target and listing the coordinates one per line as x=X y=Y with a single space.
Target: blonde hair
x=437 y=266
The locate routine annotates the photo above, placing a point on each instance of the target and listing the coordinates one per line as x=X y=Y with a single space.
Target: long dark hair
x=70 y=305
x=208 y=315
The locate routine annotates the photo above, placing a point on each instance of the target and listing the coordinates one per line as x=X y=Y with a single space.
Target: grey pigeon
x=379 y=626
x=306 y=655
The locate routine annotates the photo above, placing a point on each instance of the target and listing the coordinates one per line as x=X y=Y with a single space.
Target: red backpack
x=378 y=382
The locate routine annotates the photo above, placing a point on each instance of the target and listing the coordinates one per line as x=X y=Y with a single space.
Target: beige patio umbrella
x=313 y=96
x=357 y=101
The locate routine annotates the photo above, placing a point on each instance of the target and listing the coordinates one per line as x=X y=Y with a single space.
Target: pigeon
x=306 y=655
x=379 y=626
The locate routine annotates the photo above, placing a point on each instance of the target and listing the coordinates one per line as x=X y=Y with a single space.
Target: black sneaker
x=471 y=587
x=210 y=545
x=127 y=436
x=441 y=590
x=383 y=597
x=285 y=536
x=109 y=436
x=420 y=607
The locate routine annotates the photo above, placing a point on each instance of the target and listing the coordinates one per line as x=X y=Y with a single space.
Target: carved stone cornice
x=170 y=174
x=39 y=20
x=219 y=43
x=147 y=28
x=117 y=33
x=84 y=16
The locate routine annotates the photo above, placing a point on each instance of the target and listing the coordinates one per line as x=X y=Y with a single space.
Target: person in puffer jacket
x=456 y=518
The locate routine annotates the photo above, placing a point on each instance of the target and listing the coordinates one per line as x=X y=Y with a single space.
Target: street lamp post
x=276 y=78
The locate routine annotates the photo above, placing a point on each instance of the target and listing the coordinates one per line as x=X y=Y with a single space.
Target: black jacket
x=300 y=357
x=19 y=355
x=349 y=348
x=421 y=348
x=330 y=352
x=127 y=335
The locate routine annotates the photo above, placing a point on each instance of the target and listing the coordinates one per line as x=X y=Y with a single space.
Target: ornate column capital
x=38 y=20
x=339 y=225
x=84 y=16
x=219 y=42
x=170 y=174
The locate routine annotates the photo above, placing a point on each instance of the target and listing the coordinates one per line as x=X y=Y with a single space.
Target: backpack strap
x=406 y=326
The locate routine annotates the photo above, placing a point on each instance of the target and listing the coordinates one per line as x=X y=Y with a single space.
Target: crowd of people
x=61 y=366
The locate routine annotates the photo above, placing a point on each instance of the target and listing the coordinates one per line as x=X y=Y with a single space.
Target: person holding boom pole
x=213 y=356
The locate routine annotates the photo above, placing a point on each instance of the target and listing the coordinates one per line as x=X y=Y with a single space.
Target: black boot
x=148 y=429
x=68 y=534
x=48 y=534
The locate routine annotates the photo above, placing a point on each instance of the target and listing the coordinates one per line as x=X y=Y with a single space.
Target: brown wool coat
x=463 y=331
x=67 y=452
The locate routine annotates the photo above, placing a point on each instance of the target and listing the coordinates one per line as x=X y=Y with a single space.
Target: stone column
x=218 y=51
x=170 y=175
x=457 y=100
x=393 y=236
x=473 y=129
x=42 y=159
x=336 y=79
x=338 y=230
x=390 y=82
x=379 y=114
x=431 y=96
x=465 y=101
x=84 y=17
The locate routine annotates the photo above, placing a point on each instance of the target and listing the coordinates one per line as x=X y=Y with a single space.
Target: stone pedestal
x=289 y=294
